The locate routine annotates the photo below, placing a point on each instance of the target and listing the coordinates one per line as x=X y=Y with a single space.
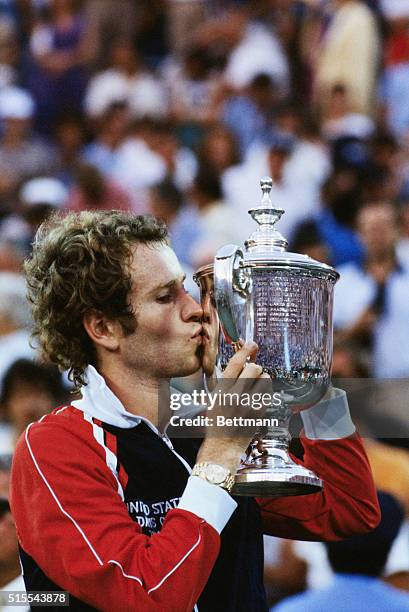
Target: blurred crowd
x=177 y=108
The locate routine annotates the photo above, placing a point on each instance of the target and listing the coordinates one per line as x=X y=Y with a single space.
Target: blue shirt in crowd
x=349 y=593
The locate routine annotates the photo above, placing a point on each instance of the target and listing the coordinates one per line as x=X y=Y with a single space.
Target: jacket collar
x=98 y=401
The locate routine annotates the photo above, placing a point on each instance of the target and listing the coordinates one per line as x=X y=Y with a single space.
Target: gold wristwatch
x=215 y=474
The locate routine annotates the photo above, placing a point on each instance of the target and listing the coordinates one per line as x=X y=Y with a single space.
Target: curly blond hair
x=81 y=262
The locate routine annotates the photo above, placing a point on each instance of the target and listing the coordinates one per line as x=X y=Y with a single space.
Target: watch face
x=216 y=474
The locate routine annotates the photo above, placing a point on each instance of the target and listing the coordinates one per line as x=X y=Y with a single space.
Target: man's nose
x=192 y=310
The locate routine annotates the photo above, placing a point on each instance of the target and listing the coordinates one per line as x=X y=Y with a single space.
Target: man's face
x=168 y=338
x=17 y=128
x=377 y=228
x=26 y=404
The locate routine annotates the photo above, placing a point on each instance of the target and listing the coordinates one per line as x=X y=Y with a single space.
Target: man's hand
x=240 y=376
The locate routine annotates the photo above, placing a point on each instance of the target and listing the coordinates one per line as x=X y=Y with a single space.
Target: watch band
x=214 y=474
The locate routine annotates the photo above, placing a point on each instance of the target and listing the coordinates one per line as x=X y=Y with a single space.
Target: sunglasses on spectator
x=4 y=506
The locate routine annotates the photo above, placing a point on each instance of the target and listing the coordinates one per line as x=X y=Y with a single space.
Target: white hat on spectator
x=13 y=300
x=395 y=9
x=44 y=190
x=16 y=103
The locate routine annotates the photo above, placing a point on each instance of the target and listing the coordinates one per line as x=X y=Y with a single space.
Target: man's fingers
x=236 y=364
x=251 y=370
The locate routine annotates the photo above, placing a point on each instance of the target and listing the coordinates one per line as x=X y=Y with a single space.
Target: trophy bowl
x=283 y=301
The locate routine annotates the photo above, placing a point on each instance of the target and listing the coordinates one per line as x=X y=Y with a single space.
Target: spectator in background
x=41 y=197
x=111 y=130
x=395 y=80
x=404 y=167
x=10 y=569
x=22 y=154
x=390 y=468
x=341 y=200
x=358 y=563
x=5 y=465
x=289 y=118
x=126 y=80
x=180 y=161
x=308 y=241
x=167 y=203
x=58 y=76
x=338 y=119
x=255 y=49
x=241 y=186
x=38 y=198
x=371 y=300
x=9 y=52
x=11 y=256
x=92 y=191
x=216 y=220
x=194 y=92
x=402 y=248
x=183 y=19
x=384 y=178
x=346 y=362
x=285 y=572
x=250 y=115
x=29 y=389
x=107 y=19
x=14 y=321
x=137 y=167
x=310 y=163
x=151 y=153
x=219 y=149
x=151 y=31
x=349 y=55
x=69 y=135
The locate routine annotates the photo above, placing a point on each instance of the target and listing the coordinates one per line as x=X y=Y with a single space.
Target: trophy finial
x=266 y=216
x=266 y=184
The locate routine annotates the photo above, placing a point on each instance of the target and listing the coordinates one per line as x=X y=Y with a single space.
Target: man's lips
x=201 y=336
x=198 y=336
x=205 y=336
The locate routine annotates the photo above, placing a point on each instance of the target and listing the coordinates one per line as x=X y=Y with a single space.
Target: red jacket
x=66 y=497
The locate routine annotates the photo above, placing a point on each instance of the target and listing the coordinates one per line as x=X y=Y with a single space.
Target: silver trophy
x=283 y=301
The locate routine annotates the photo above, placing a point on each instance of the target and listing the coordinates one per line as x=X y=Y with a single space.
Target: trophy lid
x=266 y=247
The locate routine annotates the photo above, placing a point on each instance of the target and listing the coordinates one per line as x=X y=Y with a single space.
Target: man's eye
x=164 y=299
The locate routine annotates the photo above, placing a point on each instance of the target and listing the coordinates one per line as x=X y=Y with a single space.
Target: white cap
x=44 y=190
x=13 y=298
x=395 y=9
x=16 y=103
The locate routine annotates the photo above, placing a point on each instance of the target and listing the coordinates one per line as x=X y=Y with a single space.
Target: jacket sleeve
x=348 y=504
x=71 y=520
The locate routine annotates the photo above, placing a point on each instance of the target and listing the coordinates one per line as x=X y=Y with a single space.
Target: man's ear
x=103 y=331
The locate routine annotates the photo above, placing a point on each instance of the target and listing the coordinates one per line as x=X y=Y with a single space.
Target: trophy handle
x=232 y=287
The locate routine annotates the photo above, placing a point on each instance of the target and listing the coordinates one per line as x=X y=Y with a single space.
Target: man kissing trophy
x=283 y=301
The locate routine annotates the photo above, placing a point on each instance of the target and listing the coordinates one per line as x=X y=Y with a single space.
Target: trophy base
x=284 y=481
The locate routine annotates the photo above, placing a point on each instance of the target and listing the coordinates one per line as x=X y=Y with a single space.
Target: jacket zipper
x=170 y=445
